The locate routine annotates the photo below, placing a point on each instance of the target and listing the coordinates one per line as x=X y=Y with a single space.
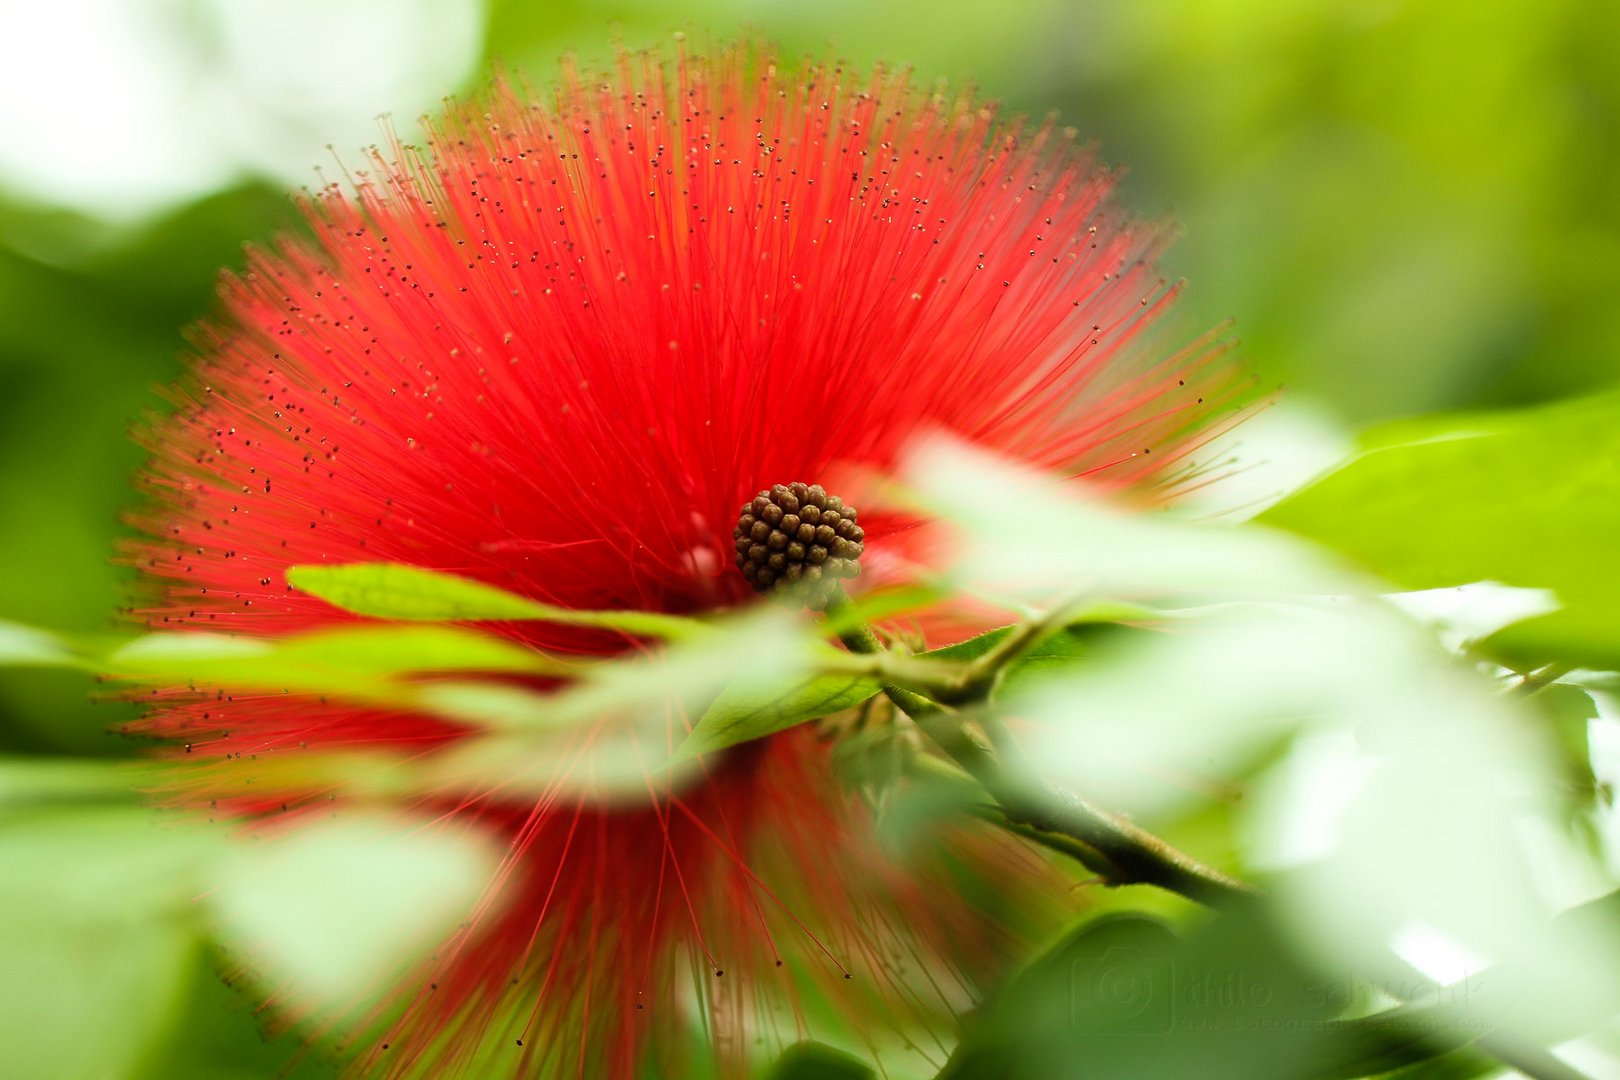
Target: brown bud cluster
x=798 y=537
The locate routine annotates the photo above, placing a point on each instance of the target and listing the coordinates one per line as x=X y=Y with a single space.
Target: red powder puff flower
x=555 y=350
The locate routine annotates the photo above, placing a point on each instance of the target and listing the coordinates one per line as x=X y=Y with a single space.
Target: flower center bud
x=799 y=539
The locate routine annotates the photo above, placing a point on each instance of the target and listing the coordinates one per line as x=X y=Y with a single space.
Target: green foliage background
x=1406 y=207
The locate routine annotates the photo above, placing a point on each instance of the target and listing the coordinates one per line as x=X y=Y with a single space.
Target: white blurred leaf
x=1200 y=698
x=1019 y=535
x=24 y=646
x=614 y=729
x=1409 y=798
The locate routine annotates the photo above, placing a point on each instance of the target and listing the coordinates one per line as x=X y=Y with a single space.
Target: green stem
x=1128 y=855
x=944 y=682
x=1531 y=682
x=978 y=677
x=936 y=770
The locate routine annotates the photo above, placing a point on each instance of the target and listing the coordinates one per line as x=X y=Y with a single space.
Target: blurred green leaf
x=396 y=591
x=747 y=710
x=1464 y=1064
x=629 y=702
x=33 y=780
x=491 y=705
x=224 y=1037
x=1567 y=712
x=99 y=934
x=1128 y=997
x=1567 y=709
x=120 y=981
x=361 y=663
x=1523 y=1003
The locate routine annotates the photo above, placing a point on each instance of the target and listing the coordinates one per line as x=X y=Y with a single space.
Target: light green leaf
x=1528 y=498
x=1130 y=997
x=396 y=591
x=121 y=982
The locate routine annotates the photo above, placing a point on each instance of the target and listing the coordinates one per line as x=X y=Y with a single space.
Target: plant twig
x=944 y=681
x=1129 y=855
x=936 y=770
x=978 y=676
x=1532 y=681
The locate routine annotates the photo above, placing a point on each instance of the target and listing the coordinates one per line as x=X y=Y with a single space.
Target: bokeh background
x=1405 y=206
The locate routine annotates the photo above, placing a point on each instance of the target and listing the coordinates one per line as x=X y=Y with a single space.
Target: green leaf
x=396 y=591
x=745 y=711
x=1585 y=635
x=885 y=602
x=1466 y=1063
x=627 y=700
x=1053 y=653
x=1528 y=498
